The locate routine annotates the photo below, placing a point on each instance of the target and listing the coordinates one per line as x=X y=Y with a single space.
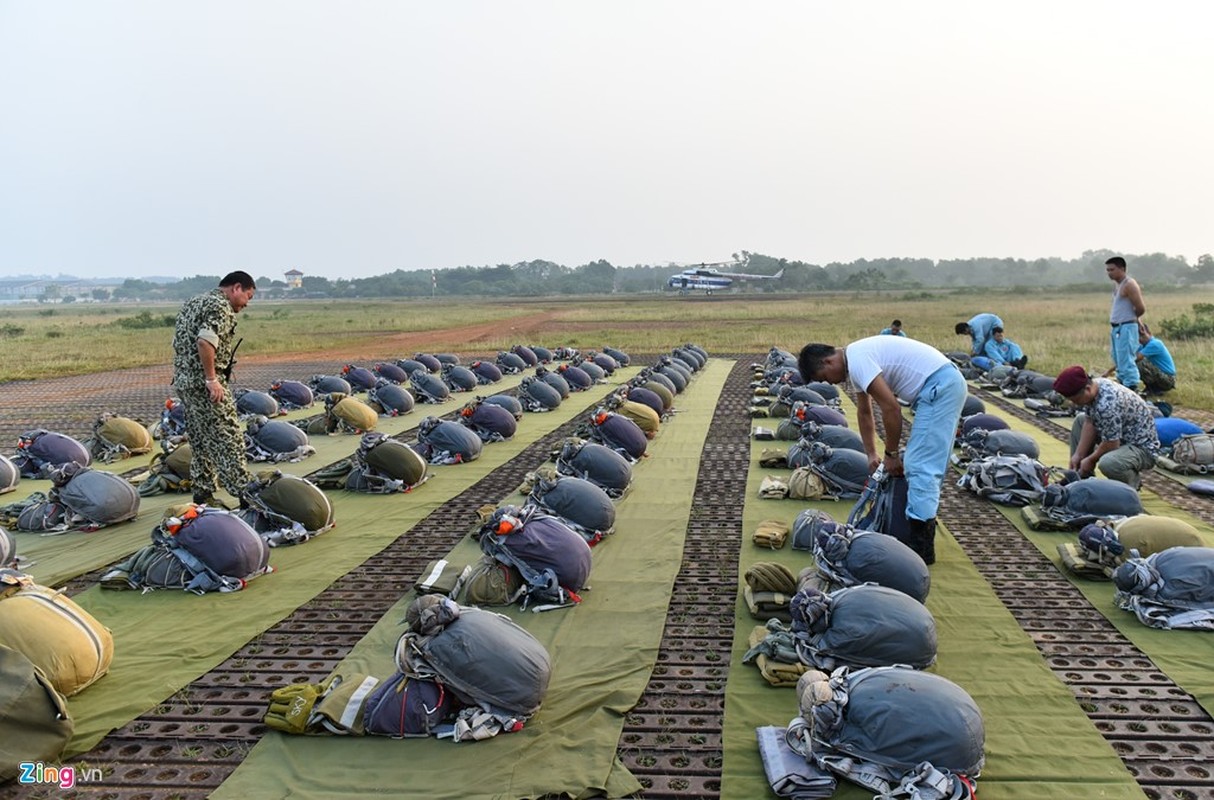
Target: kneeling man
x=1116 y=432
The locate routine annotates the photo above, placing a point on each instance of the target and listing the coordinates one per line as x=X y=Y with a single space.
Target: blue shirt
x=1004 y=353
x=1155 y=352
x=980 y=330
x=890 y=332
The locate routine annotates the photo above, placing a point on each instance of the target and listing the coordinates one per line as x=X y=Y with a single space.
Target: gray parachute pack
x=327 y=384
x=459 y=378
x=390 y=399
x=1171 y=590
x=582 y=505
x=498 y=670
x=196 y=549
x=1078 y=503
x=980 y=443
x=275 y=441
x=486 y=372
x=554 y=380
x=291 y=395
x=490 y=421
x=862 y=626
x=845 y=556
x=895 y=731
x=252 y=403
x=428 y=388
x=442 y=441
x=510 y=363
x=843 y=471
x=836 y=436
x=535 y=395
x=10 y=476
x=600 y=465
x=81 y=499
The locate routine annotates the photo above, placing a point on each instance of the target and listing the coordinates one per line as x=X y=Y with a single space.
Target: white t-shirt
x=905 y=364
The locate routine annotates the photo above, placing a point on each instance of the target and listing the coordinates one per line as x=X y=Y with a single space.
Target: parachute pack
x=582 y=505
x=553 y=560
x=36 y=724
x=845 y=556
x=1009 y=480
x=168 y=472
x=1075 y=504
x=275 y=441
x=171 y=427
x=600 y=465
x=10 y=475
x=71 y=648
x=617 y=432
x=39 y=451
x=445 y=442
x=81 y=499
x=197 y=549
x=537 y=396
x=895 y=731
x=981 y=442
x=489 y=421
x=285 y=509
x=428 y=388
x=381 y=465
x=1172 y=589
x=291 y=395
x=843 y=471
x=345 y=414
x=1102 y=547
x=389 y=399
x=252 y=403
x=862 y=626
x=116 y=437
x=1192 y=454
x=459 y=378
x=882 y=506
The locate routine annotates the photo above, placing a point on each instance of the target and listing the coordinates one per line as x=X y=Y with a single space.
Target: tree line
x=539 y=277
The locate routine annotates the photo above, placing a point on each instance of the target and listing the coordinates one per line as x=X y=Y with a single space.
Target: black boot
x=923 y=538
x=204 y=498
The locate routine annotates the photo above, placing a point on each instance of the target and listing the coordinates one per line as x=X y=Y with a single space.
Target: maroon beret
x=1071 y=381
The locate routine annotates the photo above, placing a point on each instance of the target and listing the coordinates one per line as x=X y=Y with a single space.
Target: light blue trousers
x=1123 y=344
x=937 y=410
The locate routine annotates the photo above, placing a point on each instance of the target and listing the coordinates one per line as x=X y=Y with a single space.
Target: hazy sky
x=349 y=139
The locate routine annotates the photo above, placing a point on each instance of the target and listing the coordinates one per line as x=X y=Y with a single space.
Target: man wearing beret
x=1116 y=432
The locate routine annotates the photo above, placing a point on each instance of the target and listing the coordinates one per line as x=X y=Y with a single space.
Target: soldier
x=203 y=355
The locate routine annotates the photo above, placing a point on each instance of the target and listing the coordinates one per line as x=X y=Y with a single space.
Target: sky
x=352 y=139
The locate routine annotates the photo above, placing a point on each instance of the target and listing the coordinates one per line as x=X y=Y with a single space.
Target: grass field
x=1056 y=328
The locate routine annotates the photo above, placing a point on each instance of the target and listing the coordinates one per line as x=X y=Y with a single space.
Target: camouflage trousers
x=217 y=441
x=1155 y=379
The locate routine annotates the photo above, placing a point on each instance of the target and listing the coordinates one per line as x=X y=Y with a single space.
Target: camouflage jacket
x=210 y=314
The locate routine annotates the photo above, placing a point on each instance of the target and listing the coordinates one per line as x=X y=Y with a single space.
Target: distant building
x=294 y=278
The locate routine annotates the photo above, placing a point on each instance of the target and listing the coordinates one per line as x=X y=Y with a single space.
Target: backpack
x=553 y=560
x=619 y=433
x=291 y=395
x=600 y=465
x=1076 y=504
x=71 y=648
x=491 y=664
x=882 y=507
x=116 y=437
x=445 y=442
x=1192 y=454
x=489 y=421
x=608 y=364
x=35 y=724
x=404 y=707
x=1173 y=589
x=168 y=472
x=535 y=395
x=1015 y=480
x=389 y=399
x=892 y=730
x=81 y=499
x=171 y=426
x=274 y=440
x=862 y=626
x=197 y=549
x=845 y=556
x=578 y=379
x=251 y=403
x=285 y=509
x=526 y=354
x=432 y=364
x=506 y=401
x=622 y=358
x=583 y=506
x=428 y=388
x=10 y=476
x=554 y=380
x=844 y=471
x=40 y=450
x=1101 y=547
x=646 y=397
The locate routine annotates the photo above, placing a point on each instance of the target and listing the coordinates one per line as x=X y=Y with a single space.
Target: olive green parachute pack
x=115 y=437
x=71 y=648
x=1102 y=547
x=36 y=724
x=343 y=414
x=169 y=471
x=286 y=509
x=381 y=465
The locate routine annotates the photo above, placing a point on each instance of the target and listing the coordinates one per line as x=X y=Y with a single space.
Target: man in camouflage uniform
x=1116 y=432
x=202 y=352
